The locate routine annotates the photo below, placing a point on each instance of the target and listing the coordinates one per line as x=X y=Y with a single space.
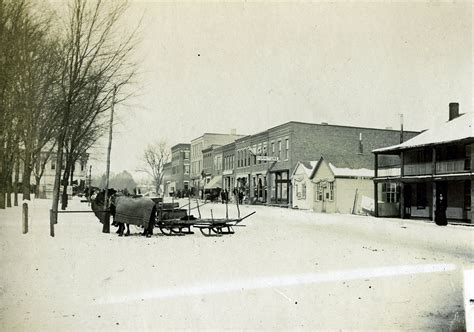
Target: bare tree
x=155 y=157
x=95 y=59
x=27 y=66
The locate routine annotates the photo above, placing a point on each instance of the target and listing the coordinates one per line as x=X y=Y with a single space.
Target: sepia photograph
x=236 y=165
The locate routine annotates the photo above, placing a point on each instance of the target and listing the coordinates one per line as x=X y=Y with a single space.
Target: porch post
x=402 y=185
x=433 y=183
x=376 y=192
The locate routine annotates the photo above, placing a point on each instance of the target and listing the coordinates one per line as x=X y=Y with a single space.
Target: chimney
x=453 y=111
x=233 y=131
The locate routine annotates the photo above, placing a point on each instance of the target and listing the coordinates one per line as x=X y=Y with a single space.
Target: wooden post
x=25 y=218
x=106 y=221
x=376 y=191
x=51 y=222
x=199 y=211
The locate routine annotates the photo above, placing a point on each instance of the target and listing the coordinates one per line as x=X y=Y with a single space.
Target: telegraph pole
x=106 y=221
x=401 y=128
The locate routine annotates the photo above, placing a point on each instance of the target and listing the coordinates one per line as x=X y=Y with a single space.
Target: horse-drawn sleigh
x=168 y=217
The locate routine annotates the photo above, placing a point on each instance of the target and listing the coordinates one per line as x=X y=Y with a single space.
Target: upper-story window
x=287 y=149
x=279 y=149
x=273 y=149
x=186 y=154
x=53 y=164
x=186 y=169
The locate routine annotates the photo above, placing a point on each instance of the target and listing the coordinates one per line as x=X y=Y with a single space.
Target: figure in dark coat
x=440 y=213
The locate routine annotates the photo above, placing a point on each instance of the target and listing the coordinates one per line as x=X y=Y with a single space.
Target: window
x=273 y=149
x=421 y=195
x=186 y=169
x=53 y=164
x=296 y=190
x=186 y=154
x=319 y=192
x=331 y=191
x=390 y=192
x=303 y=191
x=287 y=148
x=279 y=149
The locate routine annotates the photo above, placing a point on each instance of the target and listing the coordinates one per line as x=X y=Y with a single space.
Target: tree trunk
x=26 y=175
x=57 y=181
x=9 y=190
x=65 y=183
x=2 y=173
x=37 y=183
x=17 y=179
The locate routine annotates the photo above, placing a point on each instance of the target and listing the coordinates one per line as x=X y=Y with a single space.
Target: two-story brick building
x=265 y=161
x=429 y=172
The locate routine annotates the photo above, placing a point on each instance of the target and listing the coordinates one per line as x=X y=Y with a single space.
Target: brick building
x=265 y=161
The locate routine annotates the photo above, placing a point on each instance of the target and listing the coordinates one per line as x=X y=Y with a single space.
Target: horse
x=126 y=210
x=140 y=211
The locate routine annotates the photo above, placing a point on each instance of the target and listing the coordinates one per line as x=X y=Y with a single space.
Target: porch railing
x=451 y=166
x=388 y=172
x=417 y=169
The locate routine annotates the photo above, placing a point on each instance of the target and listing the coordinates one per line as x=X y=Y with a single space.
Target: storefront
x=280 y=190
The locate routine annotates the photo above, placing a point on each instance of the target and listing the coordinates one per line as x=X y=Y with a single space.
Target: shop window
x=390 y=192
x=421 y=200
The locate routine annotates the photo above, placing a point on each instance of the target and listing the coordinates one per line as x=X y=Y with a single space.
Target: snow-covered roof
x=307 y=166
x=359 y=172
x=457 y=129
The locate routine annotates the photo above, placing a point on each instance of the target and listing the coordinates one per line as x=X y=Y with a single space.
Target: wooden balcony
x=418 y=169
x=451 y=166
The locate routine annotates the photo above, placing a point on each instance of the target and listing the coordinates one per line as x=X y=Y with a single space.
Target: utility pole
x=401 y=128
x=106 y=221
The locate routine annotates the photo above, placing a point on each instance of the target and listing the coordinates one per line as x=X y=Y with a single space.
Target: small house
x=332 y=185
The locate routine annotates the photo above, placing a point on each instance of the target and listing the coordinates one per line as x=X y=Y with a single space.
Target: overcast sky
x=213 y=67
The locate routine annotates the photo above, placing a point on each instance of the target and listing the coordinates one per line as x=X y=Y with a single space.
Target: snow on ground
x=287 y=269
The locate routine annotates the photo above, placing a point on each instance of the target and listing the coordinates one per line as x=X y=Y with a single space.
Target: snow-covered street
x=287 y=269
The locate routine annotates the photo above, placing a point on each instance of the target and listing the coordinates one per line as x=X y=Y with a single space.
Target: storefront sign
x=267 y=158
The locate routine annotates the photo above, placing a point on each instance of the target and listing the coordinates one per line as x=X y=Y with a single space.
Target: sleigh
x=172 y=220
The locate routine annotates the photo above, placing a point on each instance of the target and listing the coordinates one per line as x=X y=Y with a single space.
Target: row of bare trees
x=59 y=73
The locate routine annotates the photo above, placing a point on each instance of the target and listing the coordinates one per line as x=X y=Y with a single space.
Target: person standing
x=440 y=214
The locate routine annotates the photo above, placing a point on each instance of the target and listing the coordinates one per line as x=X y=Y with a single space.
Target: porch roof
x=458 y=129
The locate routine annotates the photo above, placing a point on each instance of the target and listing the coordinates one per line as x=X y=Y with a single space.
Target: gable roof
x=458 y=129
x=340 y=168
x=308 y=167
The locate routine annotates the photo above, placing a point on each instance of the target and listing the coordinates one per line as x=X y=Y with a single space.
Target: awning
x=215 y=182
